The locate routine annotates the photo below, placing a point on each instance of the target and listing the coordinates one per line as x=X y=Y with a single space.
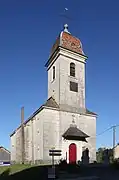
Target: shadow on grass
x=36 y=172
x=5 y=173
x=39 y=172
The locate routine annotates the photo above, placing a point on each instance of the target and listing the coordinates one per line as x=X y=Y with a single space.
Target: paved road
x=92 y=173
x=84 y=178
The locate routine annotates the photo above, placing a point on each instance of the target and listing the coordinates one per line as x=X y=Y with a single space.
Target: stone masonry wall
x=45 y=131
x=85 y=123
x=53 y=85
x=69 y=98
x=59 y=88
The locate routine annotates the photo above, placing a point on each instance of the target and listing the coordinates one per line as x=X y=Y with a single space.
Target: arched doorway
x=72 y=153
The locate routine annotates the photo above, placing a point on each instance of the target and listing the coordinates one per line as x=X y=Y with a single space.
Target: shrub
x=63 y=164
x=115 y=163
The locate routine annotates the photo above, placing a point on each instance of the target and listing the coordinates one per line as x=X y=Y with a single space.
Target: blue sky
x=27 y=31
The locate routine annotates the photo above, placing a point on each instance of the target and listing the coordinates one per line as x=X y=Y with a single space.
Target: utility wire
x=107 y=130
x=104 y=131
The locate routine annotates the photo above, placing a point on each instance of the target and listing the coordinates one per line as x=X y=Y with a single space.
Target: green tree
x=99 y=155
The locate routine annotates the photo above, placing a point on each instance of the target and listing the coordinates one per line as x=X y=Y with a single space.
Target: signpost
x=51 y=171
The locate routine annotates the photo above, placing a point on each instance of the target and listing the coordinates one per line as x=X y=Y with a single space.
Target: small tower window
x=53 y=72
x=73 y=86
x=72 y=69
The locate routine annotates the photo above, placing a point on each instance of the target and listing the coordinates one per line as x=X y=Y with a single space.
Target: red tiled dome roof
x=72 y=43
x=66 y=40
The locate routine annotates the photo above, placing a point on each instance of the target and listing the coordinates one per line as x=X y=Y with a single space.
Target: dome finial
x=66 y=28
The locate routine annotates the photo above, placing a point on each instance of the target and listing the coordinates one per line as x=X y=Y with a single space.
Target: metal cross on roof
x=66 y=28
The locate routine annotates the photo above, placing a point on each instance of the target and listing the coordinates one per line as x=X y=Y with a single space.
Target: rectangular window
x=73 y=86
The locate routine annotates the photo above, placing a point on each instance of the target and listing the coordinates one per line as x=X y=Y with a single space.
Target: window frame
x=53 y=75
x=72 y=69
x=73 y=89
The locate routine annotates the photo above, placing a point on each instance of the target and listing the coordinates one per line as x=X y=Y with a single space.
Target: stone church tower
x=63 y=121
x=66 y=73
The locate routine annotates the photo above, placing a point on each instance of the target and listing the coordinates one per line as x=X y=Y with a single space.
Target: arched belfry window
x=53 y=72
x=72 y=69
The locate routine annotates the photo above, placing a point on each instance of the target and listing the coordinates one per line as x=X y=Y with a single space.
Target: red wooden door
x=72 y=153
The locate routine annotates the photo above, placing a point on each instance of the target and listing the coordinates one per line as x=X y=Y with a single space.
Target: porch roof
x=73 y=133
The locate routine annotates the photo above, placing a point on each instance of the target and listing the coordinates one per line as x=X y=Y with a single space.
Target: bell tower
x=66 y=72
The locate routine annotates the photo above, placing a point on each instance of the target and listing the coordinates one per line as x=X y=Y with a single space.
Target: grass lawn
x=23 y=172
x=14 y=168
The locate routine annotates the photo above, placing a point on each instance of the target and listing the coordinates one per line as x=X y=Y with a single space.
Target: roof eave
x=32 y=116
x=76 y=138
x=55 y=52
x=36 y=112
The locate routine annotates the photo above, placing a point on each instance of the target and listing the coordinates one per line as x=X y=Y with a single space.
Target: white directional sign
x=54 y=152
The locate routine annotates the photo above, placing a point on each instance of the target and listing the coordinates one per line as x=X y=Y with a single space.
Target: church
x=63 y=122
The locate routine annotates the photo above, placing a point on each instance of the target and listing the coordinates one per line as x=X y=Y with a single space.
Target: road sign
x=53 y=152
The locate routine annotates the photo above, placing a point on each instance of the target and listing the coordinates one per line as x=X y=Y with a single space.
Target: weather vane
x=64 y=14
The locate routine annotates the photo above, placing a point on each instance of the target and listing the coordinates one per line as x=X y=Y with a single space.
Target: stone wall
x=53 y=85
x=13 y=147
x=45 y=131
x=41 y=134
x=116 y=152
x=69 y=98
x=85 y=123
x=4 y=155
x=60 y=86
x=50 y=132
